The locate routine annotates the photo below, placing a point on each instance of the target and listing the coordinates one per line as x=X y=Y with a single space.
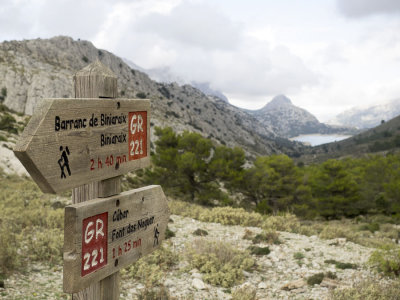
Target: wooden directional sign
x=70 y=142
x=104 y=235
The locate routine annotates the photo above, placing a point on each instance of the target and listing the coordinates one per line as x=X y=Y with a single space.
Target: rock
x=296 y=284
x=262 y=285
x=198 y=284
x=197 y=275
x=329 y=283
x=169 y=282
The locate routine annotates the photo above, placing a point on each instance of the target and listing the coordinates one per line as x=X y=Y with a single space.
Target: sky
x=327 y=56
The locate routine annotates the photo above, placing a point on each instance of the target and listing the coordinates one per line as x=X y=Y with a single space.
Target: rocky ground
x=278 y=275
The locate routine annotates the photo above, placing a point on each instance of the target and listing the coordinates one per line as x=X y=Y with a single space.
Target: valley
x=254 y=215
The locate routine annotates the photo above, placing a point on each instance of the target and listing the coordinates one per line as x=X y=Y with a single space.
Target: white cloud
x=362 y=8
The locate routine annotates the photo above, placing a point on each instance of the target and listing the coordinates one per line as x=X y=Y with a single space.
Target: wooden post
x=97 y=81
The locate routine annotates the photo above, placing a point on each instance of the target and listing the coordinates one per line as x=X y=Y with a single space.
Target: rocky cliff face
x=288 y=120
x=34 y=69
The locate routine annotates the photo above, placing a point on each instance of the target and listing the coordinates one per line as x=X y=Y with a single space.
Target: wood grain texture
x=139 y=230
x=94 y=81
x=61 y=130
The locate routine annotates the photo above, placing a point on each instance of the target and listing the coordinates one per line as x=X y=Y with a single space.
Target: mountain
x=368 y=117
x=384 y=138
x=165 y=75
x=34 y=69
x=288 y=120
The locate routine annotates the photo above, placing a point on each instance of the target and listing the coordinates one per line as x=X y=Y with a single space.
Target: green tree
x=272 y=182
x=335 y=190
x=190 y=166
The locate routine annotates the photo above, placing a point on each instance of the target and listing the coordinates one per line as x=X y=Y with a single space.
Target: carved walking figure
x=156 y=234
x=63 y=162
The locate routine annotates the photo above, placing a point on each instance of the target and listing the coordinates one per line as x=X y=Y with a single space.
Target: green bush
x=9 y=259
x=4 y=92
x=245 y=292
x=200 y=232
x=315 y=279
x=220 y=263
x=154 y=293
x=8 y=123
x=169 y=233
x=141 y=95
x=372 y=227
x=341 y=265
x=368 y=289
x=285 y=222
x=151 y=268
x=387 y=260
x=298 y=255
x=44 y=245
x=255 y=250
x=231 y=216
x=28 y=223
x=269 y=236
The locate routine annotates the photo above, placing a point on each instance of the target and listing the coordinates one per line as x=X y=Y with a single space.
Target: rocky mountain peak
x=278 y=101
x=288 y=120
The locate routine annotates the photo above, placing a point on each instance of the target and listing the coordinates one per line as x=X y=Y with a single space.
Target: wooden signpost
x=104 y=235
x=85 y=140
x=86 y=143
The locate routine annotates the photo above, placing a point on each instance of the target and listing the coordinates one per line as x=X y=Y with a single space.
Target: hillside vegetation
x=384 y=138
x=194 y=169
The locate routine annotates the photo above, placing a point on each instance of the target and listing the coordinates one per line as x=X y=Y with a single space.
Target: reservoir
x=319 y=139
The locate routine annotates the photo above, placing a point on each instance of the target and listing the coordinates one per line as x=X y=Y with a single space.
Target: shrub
x=8 y=123
x=141 y=95
x=169 y=233
x=315 y=279
x=334 y=230
x=28 y=223
x=386 y=260
x=372 y=227
x=259 y=250
x=330 y=275
x=244 y=292
x=285 y=222
x=200 y=232
x=85 y=59
x=151 y=268
x=368 y=289
x=186 y=209
x=220 y=263
x=4 y=92
x=267 y=236
x=341 y=265
x=152 y=293
x=298 y=255
x=248 y=234
x=231 y=216
x=9 y=260
x=45 y=245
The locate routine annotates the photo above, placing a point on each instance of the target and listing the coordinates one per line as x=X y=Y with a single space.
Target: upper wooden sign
x=104 y=235
x=70 y=142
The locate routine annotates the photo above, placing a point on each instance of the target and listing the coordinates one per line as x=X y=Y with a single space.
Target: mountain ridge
x=43 y=68
x=288 y=120
x=368 y=117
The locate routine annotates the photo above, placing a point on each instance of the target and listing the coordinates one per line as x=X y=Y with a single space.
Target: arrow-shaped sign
x=106 y=234
x=70 y=142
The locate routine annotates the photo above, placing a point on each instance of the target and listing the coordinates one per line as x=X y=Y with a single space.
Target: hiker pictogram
x=63 y=162
x=156 y=234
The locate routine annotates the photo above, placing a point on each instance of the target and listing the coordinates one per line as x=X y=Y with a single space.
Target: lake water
x=319 y=139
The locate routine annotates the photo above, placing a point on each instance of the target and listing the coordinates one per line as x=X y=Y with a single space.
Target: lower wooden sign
x=104 y=235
